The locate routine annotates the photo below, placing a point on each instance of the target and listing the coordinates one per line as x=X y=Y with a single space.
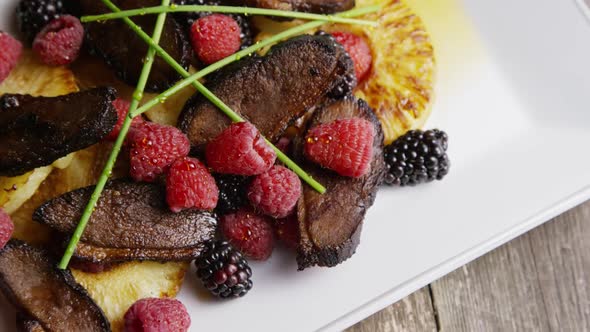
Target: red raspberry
x=287 y=230
x=276 y=192
x=344 y=146
x=153 y=148
x=240 y=150
x=122 y=107
x=190 y=185
x=10 y=51
x=215 y=37
x=359 y=51
x=157 y=315
x=6 y=228
x=249 y=232
x=60 y=41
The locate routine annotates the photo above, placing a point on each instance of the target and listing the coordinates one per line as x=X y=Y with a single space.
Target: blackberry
x=232 y=192
x=417 y=157
x=33 y=15
x=187 y=19
x=223 y=270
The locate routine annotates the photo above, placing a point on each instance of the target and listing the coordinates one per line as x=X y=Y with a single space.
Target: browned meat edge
x=272 y=91
x=36 y=131
x=131 y=221
x=90 y=253
x=26 y=324
x=124 y=51
x=30 y=279
x=330 y=224
x=312 y=6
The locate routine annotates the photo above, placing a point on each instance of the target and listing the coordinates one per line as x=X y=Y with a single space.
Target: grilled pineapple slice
x=14 y=191
x=116 y=290
x=32 y=77
x=399 y=87
x=169 y=111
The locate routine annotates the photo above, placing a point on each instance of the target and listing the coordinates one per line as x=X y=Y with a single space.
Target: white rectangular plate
x=515 y=105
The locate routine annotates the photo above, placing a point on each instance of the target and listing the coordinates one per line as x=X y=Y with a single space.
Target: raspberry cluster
x=60 y=41
x=6 y=228
x=11 y=50
x=344 y=146
x=155 y=314
x=359 y=51
x=215 y=37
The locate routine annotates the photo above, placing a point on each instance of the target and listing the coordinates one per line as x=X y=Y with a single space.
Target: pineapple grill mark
x=164 y=292
x=399 y=87
x=399 y=112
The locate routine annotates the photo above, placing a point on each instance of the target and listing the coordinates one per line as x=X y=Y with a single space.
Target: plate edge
x=444 y=268
x=584 y=8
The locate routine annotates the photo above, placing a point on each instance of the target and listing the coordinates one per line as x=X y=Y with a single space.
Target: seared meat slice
x=330 y=224
x=36 y=131
x=46 y=295
x=24 y=324
x=124 y=51
x=312 y=6
x=131 y=222
x=271 y=91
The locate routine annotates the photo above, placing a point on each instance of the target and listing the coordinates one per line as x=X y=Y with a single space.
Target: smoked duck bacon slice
x=25 y=324
x=310 y=6
x=48 y=297
x=131 y=221
x=331 y=223
x=124 y=51
x=271 y=91
x=36 y=131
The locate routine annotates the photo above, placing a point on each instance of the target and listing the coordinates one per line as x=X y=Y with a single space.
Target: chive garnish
x=104 y=176
x=226 y=10
x=193 y=80
x=189 y=80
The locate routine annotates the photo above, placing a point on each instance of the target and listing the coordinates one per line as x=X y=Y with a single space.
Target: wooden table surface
x=537 y=282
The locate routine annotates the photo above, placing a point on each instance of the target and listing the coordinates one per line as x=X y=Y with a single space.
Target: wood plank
x=413 y=313
x=538 y=282
x=562 y=259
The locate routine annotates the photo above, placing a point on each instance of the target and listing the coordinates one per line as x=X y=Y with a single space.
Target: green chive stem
x=104 y=176
x=133 y=110
x=193 y=79
x=226 y=10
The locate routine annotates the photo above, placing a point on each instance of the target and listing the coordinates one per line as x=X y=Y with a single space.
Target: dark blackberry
x=223 y=270
x=417 y=157
x=187 y=19
x=232 y=193
x=33 y=15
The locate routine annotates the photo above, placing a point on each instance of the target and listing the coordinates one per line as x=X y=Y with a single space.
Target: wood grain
x=537 y=282
x=413 y=313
